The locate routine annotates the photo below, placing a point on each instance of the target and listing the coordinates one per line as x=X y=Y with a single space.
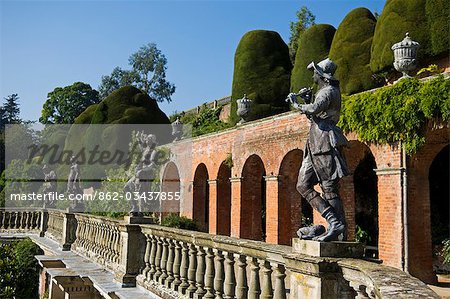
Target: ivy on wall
x=397 y=113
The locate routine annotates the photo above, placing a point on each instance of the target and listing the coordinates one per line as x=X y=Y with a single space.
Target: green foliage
x=431 y=69
x=314 y=45
x=438 y=18
x=305 y=19
x=10 y=110
x=350 y=50
x=362 y=235
x=148 y=73
x=19 y=270
x=181 y=222
x=64 y=104
x=127 y=105
x=205 y=122
x=397 y=18
x=229 y=161
x=397 y=113
x=446 y=251
x=262 y=71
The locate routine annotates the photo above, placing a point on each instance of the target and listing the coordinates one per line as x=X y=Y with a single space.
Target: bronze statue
x=323 y=162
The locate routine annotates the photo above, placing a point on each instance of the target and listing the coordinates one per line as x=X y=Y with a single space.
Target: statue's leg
x=334 y=215
x=331 y=193
x=307 y=178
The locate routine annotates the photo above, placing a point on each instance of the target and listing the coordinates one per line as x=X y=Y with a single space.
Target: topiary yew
x=397 y=18
x=314 y=45
x=350 y=50
x=262 y=70
x=438 y=18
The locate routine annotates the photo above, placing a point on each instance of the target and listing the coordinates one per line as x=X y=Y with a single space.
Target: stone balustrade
x=186 y=264
x=21 y=219
x=99 y=239
x=176 y=263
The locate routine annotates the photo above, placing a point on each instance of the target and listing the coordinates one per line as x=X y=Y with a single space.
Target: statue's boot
x=336 y=203
x=335 y=226
x=309 y=232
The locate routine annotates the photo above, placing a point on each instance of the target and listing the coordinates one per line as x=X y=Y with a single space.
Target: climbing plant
x=397 y=113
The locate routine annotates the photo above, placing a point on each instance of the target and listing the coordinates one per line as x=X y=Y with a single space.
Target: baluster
x=11 y=220
x=163 y=277
x=242 y=288
x=200 y=274
x=209 y=275
x=192 y=268
x=34 y=221
x=184 y=268
x=255 y=288
x=219 y=275
x=176 y=266
x=24 y=221
x=19 y=220
x=117 y=245
x=5 y=219
x=280 y=288
x=152 y=271
x=158 y=260
x=170 y=262
x=266 y=291
x=230 y=279
x=148 y=246
x=29 y=220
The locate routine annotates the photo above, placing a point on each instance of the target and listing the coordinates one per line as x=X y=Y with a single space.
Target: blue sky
x=48 y=44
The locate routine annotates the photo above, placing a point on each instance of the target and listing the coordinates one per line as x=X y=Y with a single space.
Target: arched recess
x=170 y=184
x=438 y=178
x=223 y=200
x=292 y=208
x=201 y=197
x=253 y=200
x=359 y=193
x=365 y=183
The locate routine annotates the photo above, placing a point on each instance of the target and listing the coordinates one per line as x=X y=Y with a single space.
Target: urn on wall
x=243 y=109
x=405 y=54
x=177 y=129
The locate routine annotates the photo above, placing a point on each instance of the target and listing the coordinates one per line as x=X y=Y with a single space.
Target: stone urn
x=405 y=54
x=177 y=129
x=243 y=109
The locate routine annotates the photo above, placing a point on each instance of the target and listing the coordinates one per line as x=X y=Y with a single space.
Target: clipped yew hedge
x=314 y=45
x=350 y=50
x=262 y=69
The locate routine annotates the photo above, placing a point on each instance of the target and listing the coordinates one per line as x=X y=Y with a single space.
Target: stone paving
x=76 y=265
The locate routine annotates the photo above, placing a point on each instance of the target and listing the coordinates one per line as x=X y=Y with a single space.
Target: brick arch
x=201 y=197
x=289 y=200
x=253 y=199
x=170 y=186
x=223 y=200
x=420 y=259
x=358 y=156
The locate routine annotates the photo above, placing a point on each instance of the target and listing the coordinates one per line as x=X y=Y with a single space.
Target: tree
x=305 y=19
x=262 y=70
x=64 y=104
x=148 y=73
x=313 y=45
x=350 y=50
x=10 y=110
x=116 y=80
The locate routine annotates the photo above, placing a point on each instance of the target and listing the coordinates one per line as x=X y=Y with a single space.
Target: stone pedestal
x=336 y=249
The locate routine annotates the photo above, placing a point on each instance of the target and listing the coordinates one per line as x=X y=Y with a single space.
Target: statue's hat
x=325 y=68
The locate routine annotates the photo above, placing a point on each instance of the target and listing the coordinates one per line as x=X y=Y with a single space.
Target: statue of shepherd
x=323 y=161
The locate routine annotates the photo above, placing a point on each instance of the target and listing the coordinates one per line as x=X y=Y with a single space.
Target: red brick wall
x=271 y=140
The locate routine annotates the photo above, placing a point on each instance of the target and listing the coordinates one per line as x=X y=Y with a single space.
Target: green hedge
x=314 y=45
x=438 y=18
x=399 y=112
x=350 y=50
x=397 y=18
x=262 y=70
